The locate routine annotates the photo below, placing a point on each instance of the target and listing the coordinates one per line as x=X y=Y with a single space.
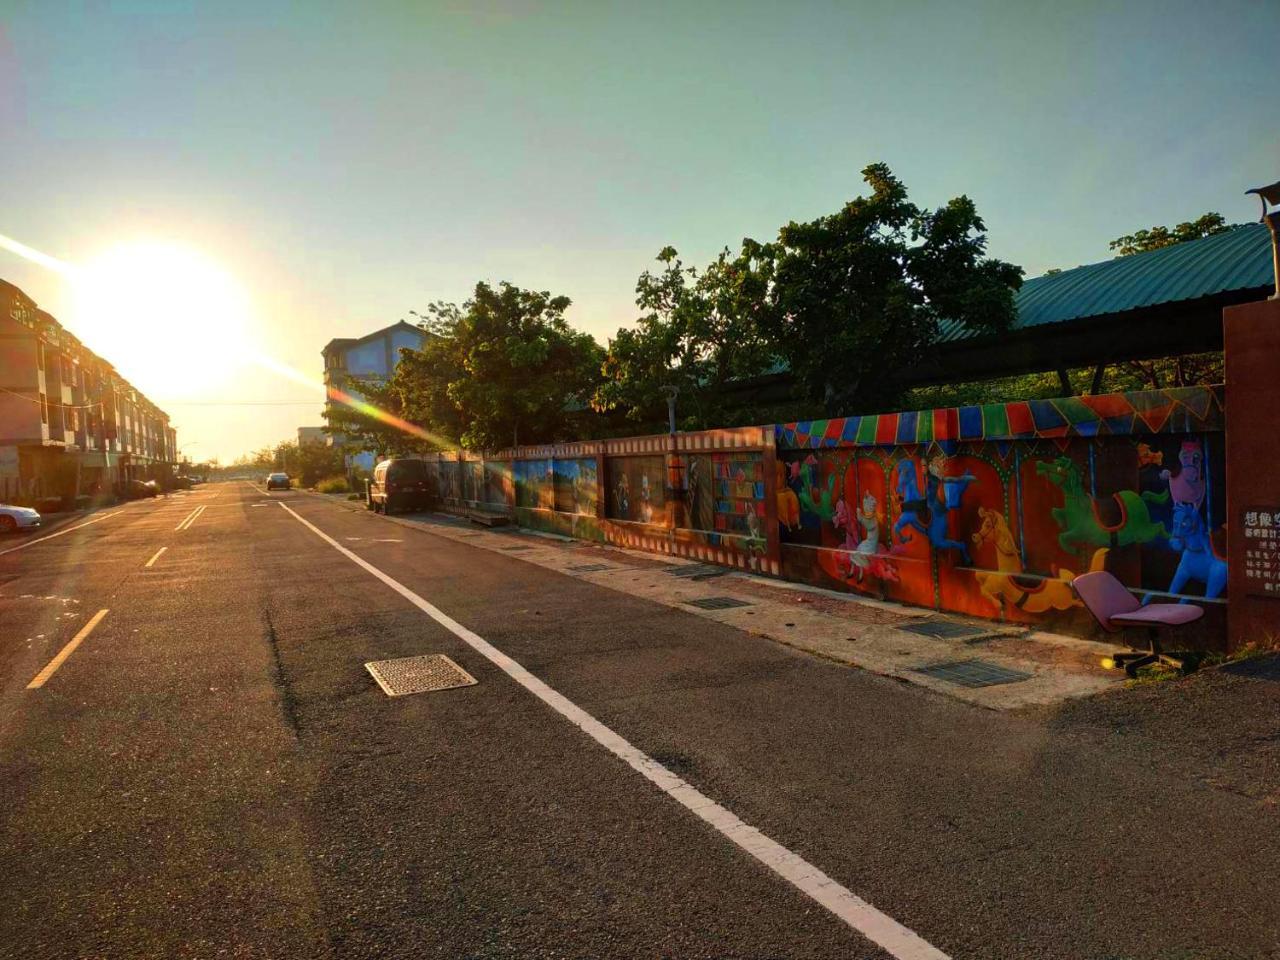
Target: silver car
x=13 y=519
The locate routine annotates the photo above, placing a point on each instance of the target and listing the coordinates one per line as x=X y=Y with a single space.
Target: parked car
x=137 y=489
x=278 y=481
x=13 y=519
x=400 y=484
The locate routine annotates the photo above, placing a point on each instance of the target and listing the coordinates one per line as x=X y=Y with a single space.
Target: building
x=368 y=359
x=312 y=435
x=69 y=422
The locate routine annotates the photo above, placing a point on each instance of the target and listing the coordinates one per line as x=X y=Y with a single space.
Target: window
x=44 y=409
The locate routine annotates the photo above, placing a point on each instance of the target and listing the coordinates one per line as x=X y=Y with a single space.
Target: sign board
x=1261 y=527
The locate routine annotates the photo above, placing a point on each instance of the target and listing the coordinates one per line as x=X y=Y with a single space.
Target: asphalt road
x=213 y=773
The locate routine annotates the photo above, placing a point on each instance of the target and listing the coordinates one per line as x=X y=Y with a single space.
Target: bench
x=487 y=518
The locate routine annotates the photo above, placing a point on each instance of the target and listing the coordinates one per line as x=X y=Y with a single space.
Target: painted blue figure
x=928 y=513
x=1198 y=562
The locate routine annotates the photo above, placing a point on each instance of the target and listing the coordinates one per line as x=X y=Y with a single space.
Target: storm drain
x=516 y=548
x=696 y=571
x=1257 y=668
x=590 y=567
x=424 y=674
x=973 y=673
x=945 y=629
x=718 y=603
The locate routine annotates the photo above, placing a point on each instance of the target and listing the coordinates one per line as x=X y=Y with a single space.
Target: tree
x=1155 y=238
x=699 y=331
x=856 y=296
x=504 y=368
x=1171 y=371
x=365 y=416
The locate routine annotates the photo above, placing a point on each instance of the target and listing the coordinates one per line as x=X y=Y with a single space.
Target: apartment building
x=69 y=422
x=349 y=362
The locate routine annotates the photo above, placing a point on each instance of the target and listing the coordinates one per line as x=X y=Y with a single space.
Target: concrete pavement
x=213 y=772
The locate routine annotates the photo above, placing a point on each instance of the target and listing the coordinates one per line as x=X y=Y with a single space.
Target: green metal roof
x=1237 y=259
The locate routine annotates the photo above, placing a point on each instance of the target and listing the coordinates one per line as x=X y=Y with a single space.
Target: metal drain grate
x=423 y=674
x=1257 y=668
x=944 y=629
x=696 y=571
x=973 y=673
x=718 y=603
x=590 y=567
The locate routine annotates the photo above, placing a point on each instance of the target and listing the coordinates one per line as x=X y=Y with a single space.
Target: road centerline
x=52 y=666
x=891 y=936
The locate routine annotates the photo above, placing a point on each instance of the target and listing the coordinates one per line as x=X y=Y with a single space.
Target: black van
x=399 y=485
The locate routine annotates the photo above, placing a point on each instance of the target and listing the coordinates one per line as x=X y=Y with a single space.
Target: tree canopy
x=845 y=302
x=1154 y=238
x=504 y=368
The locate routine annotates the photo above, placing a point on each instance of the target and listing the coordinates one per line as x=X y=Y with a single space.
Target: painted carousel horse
x=812 y=499
x=866 y=557
x=1199 y=561
x=1102 y=522
x=1011 y=585
x=927 y=513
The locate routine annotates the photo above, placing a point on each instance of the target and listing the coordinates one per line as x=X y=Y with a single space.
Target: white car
x=13 y=519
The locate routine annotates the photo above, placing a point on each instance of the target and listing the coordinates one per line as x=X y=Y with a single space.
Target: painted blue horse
x=1198 y=562
x=928 y=513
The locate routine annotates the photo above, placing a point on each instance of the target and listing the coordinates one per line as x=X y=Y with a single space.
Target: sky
x=343 y=164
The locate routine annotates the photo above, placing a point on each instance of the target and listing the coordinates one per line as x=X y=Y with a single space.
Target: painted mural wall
x=725 y=503
x=993 y=510
x=635 y=489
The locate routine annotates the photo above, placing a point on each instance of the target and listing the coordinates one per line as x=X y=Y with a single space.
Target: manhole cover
x=1257 y=668
x=590 y=567
x=696 y=571
x=973 y=673
x=423 y=674
x=944 y=629
x=718 y=603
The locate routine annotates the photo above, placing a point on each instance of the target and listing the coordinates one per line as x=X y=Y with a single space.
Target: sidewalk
x=877 y=636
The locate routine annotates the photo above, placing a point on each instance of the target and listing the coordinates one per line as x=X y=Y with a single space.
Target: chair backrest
x=1105 y=596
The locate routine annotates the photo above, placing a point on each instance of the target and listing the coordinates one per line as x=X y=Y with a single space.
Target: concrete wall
x=987 y=511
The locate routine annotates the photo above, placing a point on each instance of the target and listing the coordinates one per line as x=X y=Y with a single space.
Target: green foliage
x=305 y=463
x=699 y=331
x=504 y=368
x=1155 y=238
x=349 y=415
x=846 y=302
x=334 y=484
x=857 y=295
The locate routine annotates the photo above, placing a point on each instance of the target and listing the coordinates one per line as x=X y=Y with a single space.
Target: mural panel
x=999 y=525
x=575 y=486
x=724 y=500
x=534 y=487
x=635 y=488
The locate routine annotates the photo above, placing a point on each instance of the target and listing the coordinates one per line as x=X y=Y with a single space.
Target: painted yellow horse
x=1011 y=585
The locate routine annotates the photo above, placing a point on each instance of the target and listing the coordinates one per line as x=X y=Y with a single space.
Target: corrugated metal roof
x=1238 y=259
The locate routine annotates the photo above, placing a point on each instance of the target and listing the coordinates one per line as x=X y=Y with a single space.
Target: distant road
x=205 y=768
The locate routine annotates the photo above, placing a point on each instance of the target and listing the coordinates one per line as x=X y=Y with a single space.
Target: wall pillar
x=1251 y=339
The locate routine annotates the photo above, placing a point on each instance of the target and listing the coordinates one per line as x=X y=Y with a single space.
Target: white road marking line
x=32 y=543
x=190 y=518
x=68 y=650
x=152 y=561
x=877 y=927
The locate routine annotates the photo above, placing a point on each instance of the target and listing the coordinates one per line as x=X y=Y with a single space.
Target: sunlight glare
x=179 y=324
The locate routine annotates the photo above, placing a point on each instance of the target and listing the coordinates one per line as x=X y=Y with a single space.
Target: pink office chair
x=1115 y=608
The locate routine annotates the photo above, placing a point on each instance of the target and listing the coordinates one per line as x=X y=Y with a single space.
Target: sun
x=168 y=317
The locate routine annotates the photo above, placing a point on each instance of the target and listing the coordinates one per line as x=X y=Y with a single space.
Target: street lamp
x=671 y=392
